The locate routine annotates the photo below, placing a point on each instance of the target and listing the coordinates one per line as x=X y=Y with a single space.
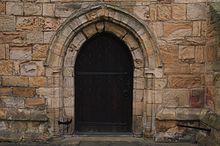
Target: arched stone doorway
x=65 y=46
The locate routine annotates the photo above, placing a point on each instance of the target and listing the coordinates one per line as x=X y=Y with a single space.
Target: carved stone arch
x=64 y=49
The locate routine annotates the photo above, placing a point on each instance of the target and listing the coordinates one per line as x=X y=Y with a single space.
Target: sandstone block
x=34 y=102
x=3 y=51
x=176 y=97
x=33 y=8
x=21 y=53
x=48 y=9
x=37 y=81
x=179 y=12
x=6 y=67
x=197 y=11
x=38 y=115
x=197 y=68
x=14 y=81
x=142 y=12
x=5 y=91
x=199 y=54
x=12 y=37
x=66 y=9
x=18 y=114
x=177 y=29
x=48 y=36
x=189 y=1
x=7 y=23
x=2 y=113
x=29 y=23
x=197 y=28
x=23 y=92
x=2 y=8
x=197 y=98
x=172 y=68
x=116 y=29
x=164 y=12
x=186 y=53
x=169 y=54
x=196 y=41
x=153 y=12
x=32 y=68
x=185 y=81
x=35 y=37
x=160 y=83
x=13 y=102
x=14 y=8
x=51 y=24
x=40 y=51
x=157 y=28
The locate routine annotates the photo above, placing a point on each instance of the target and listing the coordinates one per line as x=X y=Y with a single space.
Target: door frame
x=63 y=51
x=128 y=67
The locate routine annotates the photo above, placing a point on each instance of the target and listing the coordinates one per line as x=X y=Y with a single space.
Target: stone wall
x=31 y=96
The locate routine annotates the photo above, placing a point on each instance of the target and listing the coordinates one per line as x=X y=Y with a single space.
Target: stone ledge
x=181 y=114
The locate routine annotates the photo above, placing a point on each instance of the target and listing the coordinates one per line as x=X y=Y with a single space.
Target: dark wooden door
x=103 y=85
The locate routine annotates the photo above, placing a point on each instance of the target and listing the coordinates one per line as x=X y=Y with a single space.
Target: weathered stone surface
x=23 y=92
x=21 y=53
x=187 y=53
x=185 y=81
x=12 y=37
x=177 y=29
x=14 y=8
x=160 y=83
x=120 y=32
x=40 y=51
x=6 y=67
x=33 y=8
x=2 y=113
x=5 y=91
x=197 y=98
x=14 y=81
x=66 y=9
x=13 y=102
x=48 y=9
x=172 y=68
x=7 y=23
x=197 y=68
x=51 y=24
x=164 y=12
x=2 y=8
x=157 y=28
x=176 y=97
x=142 y=12
x=37 y=81
x=37 y=115
x=29 y=23
x=3 y=48
x=48 y=36
x=18 y=114
x=199 y=54
x=197 y=28
x=179 y=11
x=153 y=12
x=35 y=37
x=32 y=68
x=34 y=102
x=169 y=54
x=196 y=11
